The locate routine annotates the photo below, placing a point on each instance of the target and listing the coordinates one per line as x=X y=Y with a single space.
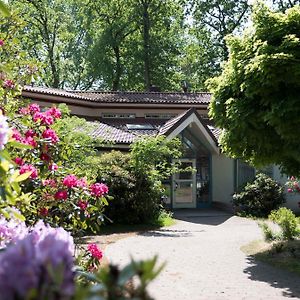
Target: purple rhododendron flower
x=11 y=231
x=4 y=130
x=19 y=271
x=39 y=263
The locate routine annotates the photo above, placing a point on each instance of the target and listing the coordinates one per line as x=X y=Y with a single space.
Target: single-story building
x=123 y=117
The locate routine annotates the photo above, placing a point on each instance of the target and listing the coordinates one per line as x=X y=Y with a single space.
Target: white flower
x=4 y=131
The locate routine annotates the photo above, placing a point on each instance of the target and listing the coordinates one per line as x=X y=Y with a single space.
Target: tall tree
x=257 y=98
x=220 y=17
x=113 y=23
x=55 y=36
x=283 y=5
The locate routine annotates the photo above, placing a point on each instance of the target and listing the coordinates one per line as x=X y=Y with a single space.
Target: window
x=159 y=116
x=118 y=116
x=140 y=126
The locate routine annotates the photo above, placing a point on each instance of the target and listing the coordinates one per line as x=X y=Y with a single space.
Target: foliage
x=220 y=17
x=135 y=179
x=283 y=5
x=269 y=234
x=255 y=99
x=260 y=197
x=131 y=282
x=62 y=198
x=287 y=221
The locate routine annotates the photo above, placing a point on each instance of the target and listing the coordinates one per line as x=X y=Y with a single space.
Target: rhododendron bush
x=61 y=198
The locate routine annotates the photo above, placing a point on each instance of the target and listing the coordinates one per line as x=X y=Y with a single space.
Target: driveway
x=204 y=260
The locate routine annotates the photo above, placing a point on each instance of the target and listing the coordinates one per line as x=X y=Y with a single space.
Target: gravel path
x=204 y=260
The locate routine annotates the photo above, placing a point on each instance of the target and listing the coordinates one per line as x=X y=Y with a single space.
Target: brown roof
x=112 y=134
x=119 y=132
x=172 y=124
x=125 y=97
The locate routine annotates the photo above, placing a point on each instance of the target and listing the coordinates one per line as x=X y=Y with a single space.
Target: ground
x=204 y=259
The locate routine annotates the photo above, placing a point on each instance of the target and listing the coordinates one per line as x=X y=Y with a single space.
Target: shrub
x=135 y=179
x=287 y=221
x=269 y=234
x=259 y=197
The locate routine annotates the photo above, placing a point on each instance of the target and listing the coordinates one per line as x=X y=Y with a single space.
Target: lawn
x=283 y=254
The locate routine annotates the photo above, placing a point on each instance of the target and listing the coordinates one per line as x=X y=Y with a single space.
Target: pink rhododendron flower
x=61 y=195
x=82 y=183
x=1 y=43
x=43 y=118
x=16 y=135
x=43 y=211
x=29 y=168
x=54 y=112
x=19 y=161
x=30 y=133
x=289 y=190
x=30 y=141
x=292 y=178
x=53 y=167
x=24 y=111
x=34 y=108
x=95 y=251
x=50 y=134
x=82 y=204
x=70 y=181
x=98 y=189
x=45 y=157
x=49 y=182
x=9 y=84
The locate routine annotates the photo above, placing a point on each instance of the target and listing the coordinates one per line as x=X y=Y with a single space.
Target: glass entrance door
x=184 y=185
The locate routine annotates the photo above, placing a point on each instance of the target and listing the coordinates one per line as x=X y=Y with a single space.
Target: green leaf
x=23 y=177
x=4 y=9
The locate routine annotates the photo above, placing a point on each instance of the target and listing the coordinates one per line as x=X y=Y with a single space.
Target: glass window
x=118 y=116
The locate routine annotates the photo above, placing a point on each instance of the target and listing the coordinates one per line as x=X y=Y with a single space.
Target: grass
x=280 y=254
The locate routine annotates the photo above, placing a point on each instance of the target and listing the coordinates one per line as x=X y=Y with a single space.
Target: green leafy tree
x=55 y=34
x=256 y=98
x=283 y=5
x=220 y=17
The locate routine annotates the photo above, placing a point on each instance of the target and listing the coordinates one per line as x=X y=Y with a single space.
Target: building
x=123 y=117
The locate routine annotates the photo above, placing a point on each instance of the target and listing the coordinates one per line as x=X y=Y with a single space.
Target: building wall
x=292 y=199
x=139 y=112
x=222 y=180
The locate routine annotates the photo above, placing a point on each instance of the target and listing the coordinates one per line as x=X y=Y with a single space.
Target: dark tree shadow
x=205 y=217
x=275 y=277
x=168 y=233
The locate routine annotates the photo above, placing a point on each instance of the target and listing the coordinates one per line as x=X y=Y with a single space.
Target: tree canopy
x=256 y=99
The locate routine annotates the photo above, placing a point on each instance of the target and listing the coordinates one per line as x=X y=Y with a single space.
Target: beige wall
x=96 y=112
x=292 y=199
x=222 y=179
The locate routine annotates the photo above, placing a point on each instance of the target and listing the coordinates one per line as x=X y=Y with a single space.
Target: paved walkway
x=204 y=260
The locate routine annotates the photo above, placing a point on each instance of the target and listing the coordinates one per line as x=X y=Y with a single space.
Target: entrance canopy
x=192 y=121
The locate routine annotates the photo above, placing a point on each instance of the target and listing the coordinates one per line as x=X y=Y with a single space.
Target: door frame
x=193 y=204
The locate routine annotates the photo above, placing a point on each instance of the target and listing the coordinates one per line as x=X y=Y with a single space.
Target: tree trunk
x=146 y=45
x=118 y=69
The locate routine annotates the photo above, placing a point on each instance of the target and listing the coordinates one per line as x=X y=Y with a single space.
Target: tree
x=220 y=17
x=55 y=35
x=256 y=98
x=283 y=5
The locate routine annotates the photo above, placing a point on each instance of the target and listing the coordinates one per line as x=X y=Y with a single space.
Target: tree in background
x=55 y=35
x=283 y=5
x=256 y=98
x=128 y=45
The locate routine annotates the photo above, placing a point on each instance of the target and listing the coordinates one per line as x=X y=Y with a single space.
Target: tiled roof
x=147 y=97
x=125 y=97
x=112 y=134
x=172 y=124
x=119 y=134
x=53 y=92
